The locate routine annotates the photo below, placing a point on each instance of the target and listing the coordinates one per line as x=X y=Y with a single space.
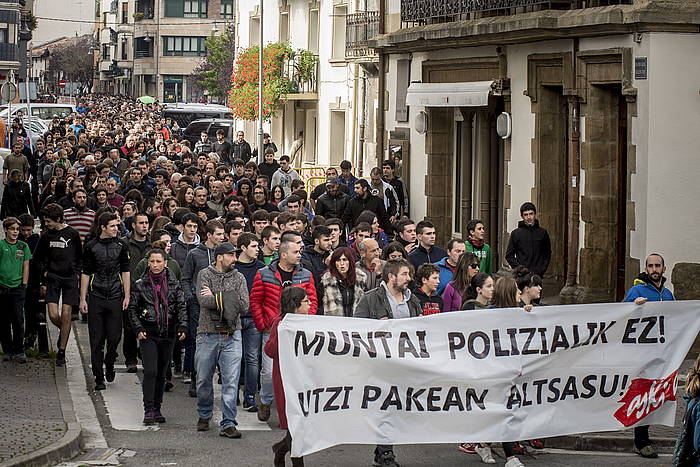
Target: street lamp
x=261 y=156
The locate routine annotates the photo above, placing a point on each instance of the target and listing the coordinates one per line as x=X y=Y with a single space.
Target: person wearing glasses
x=467 y=267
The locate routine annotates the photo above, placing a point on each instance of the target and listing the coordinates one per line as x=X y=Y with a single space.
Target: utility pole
x=261 y=156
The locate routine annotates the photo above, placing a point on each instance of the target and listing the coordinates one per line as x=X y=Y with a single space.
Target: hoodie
x=644 y=287
x=221 y=311
x=429 y=304
x=197 y=259
x=180 y=248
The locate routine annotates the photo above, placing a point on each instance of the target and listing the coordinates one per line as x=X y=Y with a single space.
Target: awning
x=471 y=94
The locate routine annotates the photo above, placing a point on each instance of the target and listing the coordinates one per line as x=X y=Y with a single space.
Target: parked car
x=42 y=111
x=210 y=125
x=184 y=114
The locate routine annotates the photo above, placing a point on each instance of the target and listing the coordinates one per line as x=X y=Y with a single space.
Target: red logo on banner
x=645 y=396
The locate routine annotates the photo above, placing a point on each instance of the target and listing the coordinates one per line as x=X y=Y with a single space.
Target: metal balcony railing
x=302 y=73
x=143 y=54
x=9 y=52
x=359 y=28
x=434 y=11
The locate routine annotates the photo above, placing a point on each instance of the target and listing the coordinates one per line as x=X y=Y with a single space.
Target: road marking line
x=93 y=437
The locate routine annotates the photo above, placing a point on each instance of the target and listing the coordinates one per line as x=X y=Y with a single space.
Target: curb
x=65 y=448
x=593 y=442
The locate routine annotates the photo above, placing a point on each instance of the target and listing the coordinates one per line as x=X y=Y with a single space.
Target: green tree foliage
x=213 y=74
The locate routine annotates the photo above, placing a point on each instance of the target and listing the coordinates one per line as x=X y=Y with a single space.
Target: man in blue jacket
x=648 y=286
x=448 y=264
x=427 y=251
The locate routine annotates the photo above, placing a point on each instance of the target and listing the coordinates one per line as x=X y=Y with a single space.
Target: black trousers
x=130 y=346
x=156 y=352
x=104 y=325
x=641 y=437
x=12 y=320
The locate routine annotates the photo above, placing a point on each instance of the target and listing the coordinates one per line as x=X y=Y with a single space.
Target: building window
x=227 y=9
x=313 y=31
x=284 y=26
x=339 y=14
x=125 y=49
x=184 y=46
x=4 y=35
x=195 y=9
x=125 y=13
x=105 y=52
x=254 y=31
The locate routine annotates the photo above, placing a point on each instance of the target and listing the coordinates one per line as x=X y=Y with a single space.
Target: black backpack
x=684 y=454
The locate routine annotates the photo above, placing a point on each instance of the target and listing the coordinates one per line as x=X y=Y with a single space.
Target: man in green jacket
x=475 y=244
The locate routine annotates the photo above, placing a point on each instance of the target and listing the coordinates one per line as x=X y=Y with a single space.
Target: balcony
x=430 y=12
x=9 y=52
x=359 y=28
x=144 y=10
x=302 y=72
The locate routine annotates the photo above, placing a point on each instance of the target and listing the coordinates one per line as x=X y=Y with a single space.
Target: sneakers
x=109 y=373
x=485 y=453
x=230 y=432
x=514 y=462
x=648 y=452
x=536 y=443
x=157 y=416
x=100 y=385
x=168 y=386
x=186 y=377
x=264 y=412
x=131 y=368
x=149 y=417
x=203 y=424
x=386 y=459
x=468 y=448
x=61 y=358
x=249 y=404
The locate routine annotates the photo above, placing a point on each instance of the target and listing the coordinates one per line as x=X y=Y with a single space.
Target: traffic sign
x=62 y=84
x=8 y=92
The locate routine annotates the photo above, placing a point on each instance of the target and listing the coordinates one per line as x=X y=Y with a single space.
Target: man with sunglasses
x=648 y=287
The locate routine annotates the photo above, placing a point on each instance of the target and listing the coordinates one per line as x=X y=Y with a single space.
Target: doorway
x=477 y=177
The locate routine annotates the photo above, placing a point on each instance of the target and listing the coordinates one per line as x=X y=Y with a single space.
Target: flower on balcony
x=243 y=97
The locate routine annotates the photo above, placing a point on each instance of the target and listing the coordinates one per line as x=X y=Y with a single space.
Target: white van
x=42 y=111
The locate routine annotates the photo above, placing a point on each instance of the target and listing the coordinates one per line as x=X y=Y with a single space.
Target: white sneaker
x=514 y=462
x=485 y=453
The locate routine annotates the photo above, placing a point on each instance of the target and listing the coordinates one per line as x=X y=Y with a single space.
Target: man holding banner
x=649 y=286
x=391 y=300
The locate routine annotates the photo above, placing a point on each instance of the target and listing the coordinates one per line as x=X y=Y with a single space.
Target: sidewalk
x=37 y=421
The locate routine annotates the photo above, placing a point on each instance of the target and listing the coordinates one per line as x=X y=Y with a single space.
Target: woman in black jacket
x=157 y=312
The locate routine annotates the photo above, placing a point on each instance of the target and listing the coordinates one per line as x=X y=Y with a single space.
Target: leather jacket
x=104 y=259
x=142 y=312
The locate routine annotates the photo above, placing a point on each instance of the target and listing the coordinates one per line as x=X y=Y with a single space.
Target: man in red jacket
x=264 y=303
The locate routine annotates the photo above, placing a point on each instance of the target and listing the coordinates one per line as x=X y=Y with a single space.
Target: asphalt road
x=177 y=443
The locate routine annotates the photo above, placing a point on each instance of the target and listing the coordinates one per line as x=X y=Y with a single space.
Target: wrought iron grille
x=430 y=11
x=359 y=28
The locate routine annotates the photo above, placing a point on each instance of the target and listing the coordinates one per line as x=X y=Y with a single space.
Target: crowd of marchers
x=191 y=255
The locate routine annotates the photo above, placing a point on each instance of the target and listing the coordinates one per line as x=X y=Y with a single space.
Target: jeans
x=226 y=350
x=251 y=355
x=12 y=321
x=266 y=394
x=190 y=341
x=104 y=324
x=156 y=352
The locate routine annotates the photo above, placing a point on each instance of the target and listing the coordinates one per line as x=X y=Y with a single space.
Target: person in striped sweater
x=80 y=217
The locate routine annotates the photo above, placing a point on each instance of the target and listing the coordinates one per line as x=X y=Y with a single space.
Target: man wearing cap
x=223 y=295
x=332 y=203
x=331 y=174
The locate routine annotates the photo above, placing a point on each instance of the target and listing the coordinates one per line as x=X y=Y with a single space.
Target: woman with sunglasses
x=467 y=267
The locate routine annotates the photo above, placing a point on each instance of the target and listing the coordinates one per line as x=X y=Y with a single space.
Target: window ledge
x=337 y=62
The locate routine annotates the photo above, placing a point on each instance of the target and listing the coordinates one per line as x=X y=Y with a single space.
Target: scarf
x=477 y=243
x=159 y=284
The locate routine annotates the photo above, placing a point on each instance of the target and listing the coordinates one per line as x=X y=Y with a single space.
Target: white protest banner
x=482 y=376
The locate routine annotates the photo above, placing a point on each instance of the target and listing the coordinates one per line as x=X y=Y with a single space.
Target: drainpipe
x=363 y=123
x=381 y=85
x=574 y=177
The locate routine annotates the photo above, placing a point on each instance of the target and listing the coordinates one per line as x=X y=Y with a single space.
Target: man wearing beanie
x=223 y=295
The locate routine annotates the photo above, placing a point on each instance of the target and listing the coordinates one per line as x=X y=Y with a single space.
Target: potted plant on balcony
x=138 y=16
x=305 y=65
